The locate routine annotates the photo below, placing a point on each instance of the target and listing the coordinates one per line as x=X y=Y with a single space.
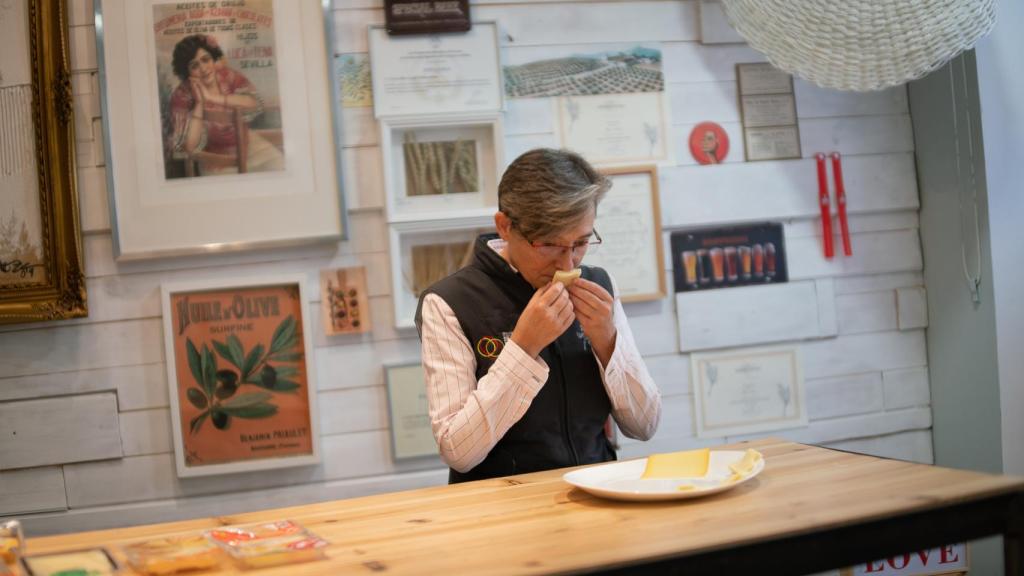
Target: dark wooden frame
x=63 y=295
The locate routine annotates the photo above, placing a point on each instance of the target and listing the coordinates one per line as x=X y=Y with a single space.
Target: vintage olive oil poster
x=241 y=381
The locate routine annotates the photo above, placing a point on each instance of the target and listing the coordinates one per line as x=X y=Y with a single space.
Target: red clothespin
x=823 y=200
x=837 y=173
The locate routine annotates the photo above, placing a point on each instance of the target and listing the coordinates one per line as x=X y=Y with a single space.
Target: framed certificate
x=629 y=222
x=409 y=412
x=748 y=390
x=220 y=125
x=436 y=74
x=240 y=375
x=615 y=128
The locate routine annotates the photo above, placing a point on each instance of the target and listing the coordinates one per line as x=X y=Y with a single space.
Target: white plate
x=622 y=480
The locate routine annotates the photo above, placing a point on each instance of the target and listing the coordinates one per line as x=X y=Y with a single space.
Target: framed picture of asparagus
x=436 y=168
x=240 y=375
x=424 y=252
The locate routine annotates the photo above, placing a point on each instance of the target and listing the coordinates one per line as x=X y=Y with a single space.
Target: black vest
x=564 y=425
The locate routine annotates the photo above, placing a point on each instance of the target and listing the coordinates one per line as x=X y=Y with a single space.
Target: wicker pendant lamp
x=860 y=44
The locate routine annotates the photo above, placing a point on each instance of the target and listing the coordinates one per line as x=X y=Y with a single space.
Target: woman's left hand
x=594 y=308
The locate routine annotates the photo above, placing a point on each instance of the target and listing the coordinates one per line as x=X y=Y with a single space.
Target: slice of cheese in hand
x=567 y=277
x=688 y=464
x=747 y=463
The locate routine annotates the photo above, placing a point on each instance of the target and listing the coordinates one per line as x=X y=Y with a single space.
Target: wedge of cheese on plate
x=747 y=464
x=686 y=464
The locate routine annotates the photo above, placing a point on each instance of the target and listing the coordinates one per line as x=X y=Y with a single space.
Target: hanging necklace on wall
x=973 y=280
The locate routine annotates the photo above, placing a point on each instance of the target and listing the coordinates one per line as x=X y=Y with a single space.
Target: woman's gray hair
x=546 y=191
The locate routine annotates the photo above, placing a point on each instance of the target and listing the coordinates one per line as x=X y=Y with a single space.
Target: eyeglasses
x=553 y=251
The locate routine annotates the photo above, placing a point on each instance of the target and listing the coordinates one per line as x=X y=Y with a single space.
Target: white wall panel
x=138 y=387
x=146 y=432
x=912 y=304
x=772 y=190
x=671 y=372
x=353 y=410
x=844 y=395
x=855 y=284
x=359 y=127
x=367 y=233
x=32 y=490
x=693 y=102
x=691 y=62
x=714 y=26
x=749 y=315
x=58 y=430
x=850 y=427
x=42 y=351
x=866 y=312
x=529 y=116
x=858 y=223
x=906 y=388
x=876 y=253
x=363 y=174
x=358 y=365
x=82 y=40
x=856 y=135
x=858 y=353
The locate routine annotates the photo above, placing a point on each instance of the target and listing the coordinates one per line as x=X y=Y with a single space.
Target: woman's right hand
x=546 y=317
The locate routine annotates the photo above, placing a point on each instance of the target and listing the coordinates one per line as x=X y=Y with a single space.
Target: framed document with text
x=241 y=375
x=615 y=128
x=629 y=222
x=220 y=124
x=436 y=74
x=748 y=390
x=411 y=434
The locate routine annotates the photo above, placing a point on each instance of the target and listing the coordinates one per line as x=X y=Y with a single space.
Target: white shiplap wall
x=866 y=376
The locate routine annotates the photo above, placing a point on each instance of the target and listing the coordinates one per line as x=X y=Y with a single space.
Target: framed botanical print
x=242 y=383
x=220 y=124
x=41 y=271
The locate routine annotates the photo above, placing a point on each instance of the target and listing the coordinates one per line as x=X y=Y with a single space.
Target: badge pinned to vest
x=489 y=347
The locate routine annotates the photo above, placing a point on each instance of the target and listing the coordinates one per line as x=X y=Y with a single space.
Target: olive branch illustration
x=216 y=392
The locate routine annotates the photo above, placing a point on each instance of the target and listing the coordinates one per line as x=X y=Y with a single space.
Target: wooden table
x=811 y=509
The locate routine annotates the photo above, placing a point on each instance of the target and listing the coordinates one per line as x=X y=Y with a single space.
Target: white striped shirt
x=469 y=416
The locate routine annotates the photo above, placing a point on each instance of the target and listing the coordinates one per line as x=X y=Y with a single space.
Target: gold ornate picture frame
x=42 y=276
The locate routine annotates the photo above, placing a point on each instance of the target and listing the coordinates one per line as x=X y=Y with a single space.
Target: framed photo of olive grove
x=242 y=384
x=41 y=271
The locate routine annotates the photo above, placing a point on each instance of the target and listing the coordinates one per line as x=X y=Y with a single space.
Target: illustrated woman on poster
x=202 y=109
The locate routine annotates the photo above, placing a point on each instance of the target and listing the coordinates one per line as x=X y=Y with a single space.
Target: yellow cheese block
x=690 y=463
x=747 y=464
